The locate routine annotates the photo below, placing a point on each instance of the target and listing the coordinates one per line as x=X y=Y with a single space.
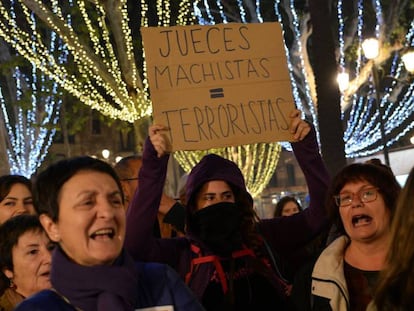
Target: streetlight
x=105 y=154
x=408 y=60
x=370 y=48
x=343 y=81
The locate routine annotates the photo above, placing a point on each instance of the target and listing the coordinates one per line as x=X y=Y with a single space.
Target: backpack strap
x=216 y=260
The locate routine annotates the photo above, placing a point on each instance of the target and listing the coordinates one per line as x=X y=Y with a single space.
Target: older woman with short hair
x=25 y=257
x=80 y=203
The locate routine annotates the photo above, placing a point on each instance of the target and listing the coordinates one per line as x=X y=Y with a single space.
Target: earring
x=12 y=285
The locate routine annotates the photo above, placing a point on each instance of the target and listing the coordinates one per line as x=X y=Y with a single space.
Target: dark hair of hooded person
x=48 y=183
x=379 y=176
x=7 y=181
x=10 y=232
x=281 y=204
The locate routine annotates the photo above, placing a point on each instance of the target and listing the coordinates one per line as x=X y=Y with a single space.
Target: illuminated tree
x=29 y=110
x=103 y=70
x=106 y=67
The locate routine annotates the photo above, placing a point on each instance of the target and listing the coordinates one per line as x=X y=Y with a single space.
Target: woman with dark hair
x=25 y=256
x=395 y=289
x=15 y=196
x=81 y=207
x=361 y=204
x=228 y=257
x=287 y=206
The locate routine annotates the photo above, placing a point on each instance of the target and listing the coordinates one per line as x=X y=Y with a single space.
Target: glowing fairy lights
x=30 y=127
x=361 y=134
x=103 y=73
x=103 y=70
x=30 y=131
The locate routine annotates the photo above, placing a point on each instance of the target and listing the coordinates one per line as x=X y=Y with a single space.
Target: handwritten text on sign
x=219 y=85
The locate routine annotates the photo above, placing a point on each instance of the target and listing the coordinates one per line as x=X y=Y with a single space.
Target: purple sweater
x=284 y=235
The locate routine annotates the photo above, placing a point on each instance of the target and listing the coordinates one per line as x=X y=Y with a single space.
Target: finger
x=156 y=128
x=294 y=120
x=295 y=113
x=303 y=129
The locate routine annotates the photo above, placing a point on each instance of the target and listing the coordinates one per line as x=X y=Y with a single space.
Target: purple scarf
x=96 y=288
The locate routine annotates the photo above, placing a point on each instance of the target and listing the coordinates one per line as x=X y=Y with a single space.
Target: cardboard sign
x=220 y=85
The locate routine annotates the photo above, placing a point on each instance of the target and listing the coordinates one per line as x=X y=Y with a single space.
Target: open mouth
x=103 y=234
x=45 y=274
x=360 y=220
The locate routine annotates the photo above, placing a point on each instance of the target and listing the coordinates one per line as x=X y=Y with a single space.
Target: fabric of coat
x=328 y=279
x=284 y=235
x=124 y=285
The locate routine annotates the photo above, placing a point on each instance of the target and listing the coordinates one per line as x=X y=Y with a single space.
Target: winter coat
x=328 y=279
x=283 y=235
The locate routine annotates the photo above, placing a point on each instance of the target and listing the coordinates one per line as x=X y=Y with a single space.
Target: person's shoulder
x=45 y=300
x=155 y=276
x=152 y=270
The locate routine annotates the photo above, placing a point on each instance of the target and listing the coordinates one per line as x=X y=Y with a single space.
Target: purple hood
x=214 y=167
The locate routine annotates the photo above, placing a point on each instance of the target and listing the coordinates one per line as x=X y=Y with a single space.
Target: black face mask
x=218 y=226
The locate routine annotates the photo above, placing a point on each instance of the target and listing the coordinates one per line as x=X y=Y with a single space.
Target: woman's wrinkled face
x=18 y=201
x=213 y=192
x=91 y=224
x=31 y=263
x=290 y=209
x=364 y=221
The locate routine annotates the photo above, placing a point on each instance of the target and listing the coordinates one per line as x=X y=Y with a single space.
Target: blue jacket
x=158 y=285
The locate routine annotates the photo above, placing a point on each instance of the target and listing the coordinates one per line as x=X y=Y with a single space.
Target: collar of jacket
x=328 y=279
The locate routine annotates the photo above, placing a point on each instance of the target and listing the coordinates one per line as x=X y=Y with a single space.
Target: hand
x=159 y=139
x=166 y=203
x=298 y=127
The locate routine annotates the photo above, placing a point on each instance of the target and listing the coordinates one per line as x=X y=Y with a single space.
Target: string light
x=106 y=80
x=28 y=130
x=102 y=79
x=362 y=136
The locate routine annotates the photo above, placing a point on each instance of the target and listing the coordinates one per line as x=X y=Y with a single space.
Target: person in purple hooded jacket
x=228 y=257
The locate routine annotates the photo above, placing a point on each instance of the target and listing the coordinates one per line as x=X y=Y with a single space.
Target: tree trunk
x=64 y=125
x=325 y=70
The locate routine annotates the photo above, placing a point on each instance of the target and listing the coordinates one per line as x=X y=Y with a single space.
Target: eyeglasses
x=129 y=179
x=364 y=195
